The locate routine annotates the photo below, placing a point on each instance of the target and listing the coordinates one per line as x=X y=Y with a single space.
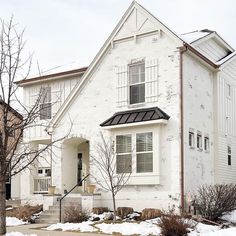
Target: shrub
x=124 y=211
x=74 y=214
x=213 y=201
x=173 y=225
x=150 y=213
x=99 y=210
x=24 y=212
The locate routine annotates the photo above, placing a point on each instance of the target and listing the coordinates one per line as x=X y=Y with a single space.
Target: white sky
x=60 y=32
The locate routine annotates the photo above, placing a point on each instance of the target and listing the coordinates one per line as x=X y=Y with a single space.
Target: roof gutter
x=193 y=50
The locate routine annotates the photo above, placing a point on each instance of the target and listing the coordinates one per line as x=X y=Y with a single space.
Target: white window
x=191 y=138
x=124 y=153
x=137 y=83
x=199 y=140
x=228 y=90
x=45 y=103
x=229 y=155
x=206 y=143
x=144 y=152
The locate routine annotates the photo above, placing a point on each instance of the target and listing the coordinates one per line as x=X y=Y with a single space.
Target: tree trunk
x=114 y=207
x=2 y=206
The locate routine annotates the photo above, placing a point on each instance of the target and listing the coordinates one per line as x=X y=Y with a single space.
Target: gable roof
x=135 y=116
x=12 y=110
x=108 y=44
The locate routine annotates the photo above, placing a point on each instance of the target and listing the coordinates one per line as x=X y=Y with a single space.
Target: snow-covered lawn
x=13 y=221
x=149 y=227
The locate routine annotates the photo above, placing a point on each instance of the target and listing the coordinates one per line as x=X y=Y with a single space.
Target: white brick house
x=167 y=101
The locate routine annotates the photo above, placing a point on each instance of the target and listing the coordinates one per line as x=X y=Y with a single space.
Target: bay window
x=141 y=153
x=144 y=152
x=124 y=154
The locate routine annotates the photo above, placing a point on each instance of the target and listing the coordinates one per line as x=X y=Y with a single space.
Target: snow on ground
x=19 y=234
x=231 y=217
x=13 y=221
x=148 y=227
x=82 y=227
x=144 y=228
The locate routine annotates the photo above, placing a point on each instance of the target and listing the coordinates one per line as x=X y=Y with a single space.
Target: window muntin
x=199 y=140
x=206 y=143
x=143 y=156
x=229 y=155
x=137 y=83
x=191 y=138
x=124 y=153
x=144 y=151
x=45 y=103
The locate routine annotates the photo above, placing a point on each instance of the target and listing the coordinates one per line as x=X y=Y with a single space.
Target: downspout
x=182 y=50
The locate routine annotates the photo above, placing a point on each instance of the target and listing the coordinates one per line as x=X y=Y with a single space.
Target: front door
x=8 y=188
x=80 y=169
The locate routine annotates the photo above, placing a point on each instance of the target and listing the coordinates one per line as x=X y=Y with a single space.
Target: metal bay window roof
x=135 y=116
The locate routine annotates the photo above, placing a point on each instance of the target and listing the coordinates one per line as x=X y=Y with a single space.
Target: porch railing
x=60 y=200
x=41 y=184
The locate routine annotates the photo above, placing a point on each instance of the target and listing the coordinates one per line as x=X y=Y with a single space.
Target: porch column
x=56 y=168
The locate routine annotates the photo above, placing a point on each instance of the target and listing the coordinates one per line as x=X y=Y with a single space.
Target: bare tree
x=105 y=163
x=14 y=155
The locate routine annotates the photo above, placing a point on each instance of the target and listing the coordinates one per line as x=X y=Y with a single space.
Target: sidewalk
x=36 y=229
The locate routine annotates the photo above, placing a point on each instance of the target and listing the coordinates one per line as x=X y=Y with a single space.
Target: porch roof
x=135 y=116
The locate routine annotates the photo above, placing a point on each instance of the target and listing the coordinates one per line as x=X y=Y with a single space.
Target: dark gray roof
x=134 y=116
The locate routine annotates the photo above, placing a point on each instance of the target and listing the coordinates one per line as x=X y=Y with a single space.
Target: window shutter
x=151 y=79
x=122 y=86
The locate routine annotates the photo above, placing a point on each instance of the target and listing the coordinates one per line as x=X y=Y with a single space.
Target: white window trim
x=149 y=178
x=136 y=62
x=206 y=136
x=191 y=131
x=199 y=134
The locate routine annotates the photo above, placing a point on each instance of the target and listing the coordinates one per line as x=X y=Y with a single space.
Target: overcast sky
x=60 y=32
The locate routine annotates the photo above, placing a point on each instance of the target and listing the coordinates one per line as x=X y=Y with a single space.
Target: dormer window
x=45 y=107
x=137 y=82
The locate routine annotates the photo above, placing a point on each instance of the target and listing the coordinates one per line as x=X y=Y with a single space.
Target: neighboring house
x=167 y=101
x=13 y=120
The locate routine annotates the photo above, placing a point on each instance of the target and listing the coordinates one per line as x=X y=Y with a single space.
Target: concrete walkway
x=39 y=231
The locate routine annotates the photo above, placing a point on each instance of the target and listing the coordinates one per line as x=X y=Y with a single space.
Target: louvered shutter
x=151 y=80
x=122 y=86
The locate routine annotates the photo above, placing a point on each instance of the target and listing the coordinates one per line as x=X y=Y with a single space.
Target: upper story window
x=228 y=90
x=199 y=140
x=45 y=111
x=137 y=83
x=206 y=144
x=191 y=138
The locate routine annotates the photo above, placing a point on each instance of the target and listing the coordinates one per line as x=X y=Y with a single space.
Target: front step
x=51 y=215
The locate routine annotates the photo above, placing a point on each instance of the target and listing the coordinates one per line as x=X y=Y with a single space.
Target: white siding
x=227 y=123
x=60 y=89
x=212 y=50
x=199 y=117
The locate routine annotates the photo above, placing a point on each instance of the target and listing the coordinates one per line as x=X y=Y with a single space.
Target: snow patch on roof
x=195 y=35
